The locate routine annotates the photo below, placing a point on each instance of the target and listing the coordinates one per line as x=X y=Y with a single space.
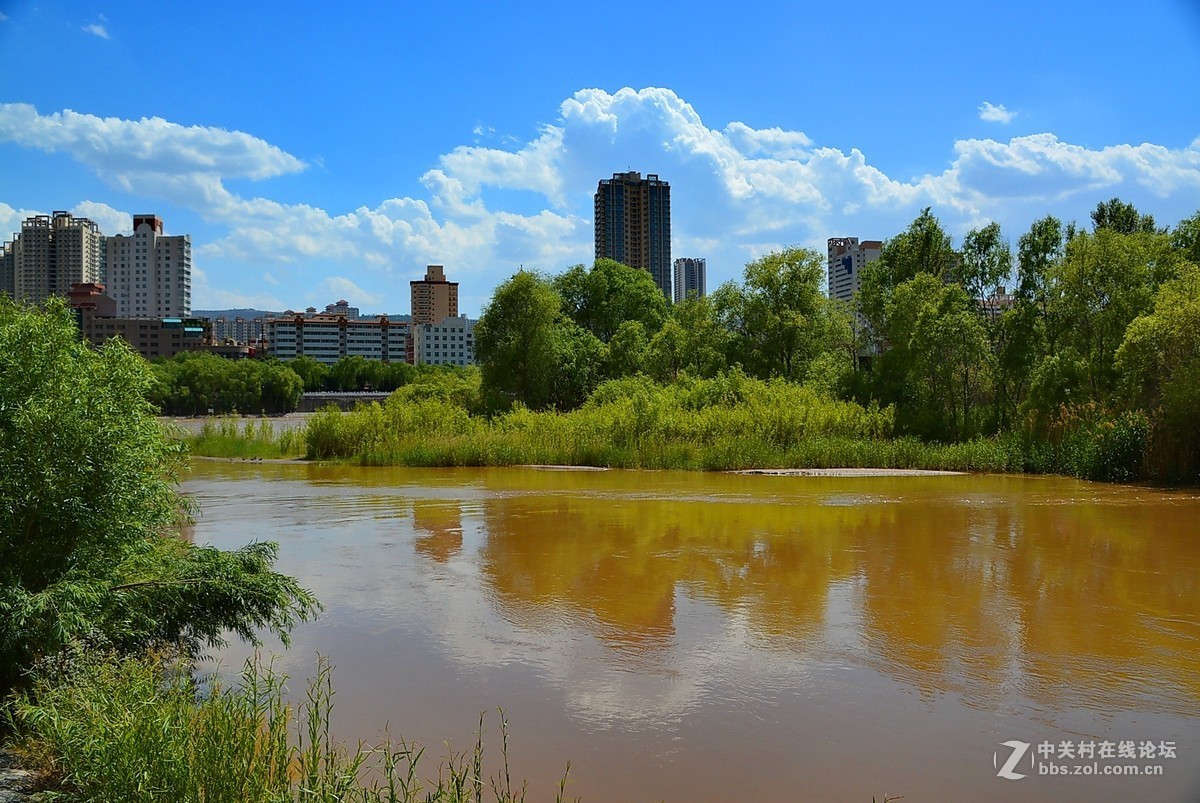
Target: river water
x=692 y=637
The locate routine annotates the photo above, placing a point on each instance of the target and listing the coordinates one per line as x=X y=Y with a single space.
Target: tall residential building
x=53 y=252
x=689 y=278
x=847 y=256
x=8 y=261
x=434 y=298
x=149 y=274
x=633 y=224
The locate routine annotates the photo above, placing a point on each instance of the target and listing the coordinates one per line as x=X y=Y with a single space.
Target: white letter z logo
x=1018 y=752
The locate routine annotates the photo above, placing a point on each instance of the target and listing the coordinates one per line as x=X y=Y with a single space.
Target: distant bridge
x=311 y=402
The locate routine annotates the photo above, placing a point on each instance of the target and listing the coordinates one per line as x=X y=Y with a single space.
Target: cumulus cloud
x=737 y=190
x=110 y=220
x=96 y=29
x=135 y=154
x=995 y=114
x=337 y=288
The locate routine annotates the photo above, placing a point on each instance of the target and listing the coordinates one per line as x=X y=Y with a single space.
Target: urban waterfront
x=691 y=636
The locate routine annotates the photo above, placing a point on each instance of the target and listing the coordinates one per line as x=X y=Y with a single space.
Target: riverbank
x=17 y=784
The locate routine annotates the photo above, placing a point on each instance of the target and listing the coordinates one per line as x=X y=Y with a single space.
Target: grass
x=226 y=437
x=143 y=729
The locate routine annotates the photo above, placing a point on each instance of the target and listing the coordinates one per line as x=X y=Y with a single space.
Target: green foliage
x=262 y=441
x=193 y=383
x=1103 y=282
x=924 y=248
x=313 y=374
x=780 y=320
x=985 y=262
x=88 y=508
x=137 y=729
x=600 y=300
x=1122 y=218
x=516 y=341
x=1159 y=362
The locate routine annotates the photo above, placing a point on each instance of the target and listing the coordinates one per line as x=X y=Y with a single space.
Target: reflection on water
x=694 y=636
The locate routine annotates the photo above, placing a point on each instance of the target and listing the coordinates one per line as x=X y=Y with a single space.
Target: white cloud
x=270 y=279
x=96 y=29
x=339 y=288
x=110 y=220
x=3 y=17
x=995 y=114
x=137 y=154
x=737 y=192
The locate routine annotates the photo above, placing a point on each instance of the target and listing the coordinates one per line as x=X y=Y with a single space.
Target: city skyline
x=307 y=184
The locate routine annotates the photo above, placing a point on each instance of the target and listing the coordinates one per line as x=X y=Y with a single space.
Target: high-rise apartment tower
x=847 y=256
x=147 y=273
x=51 y=253
x=633 y=224
x=434 y=298
x=689 y=278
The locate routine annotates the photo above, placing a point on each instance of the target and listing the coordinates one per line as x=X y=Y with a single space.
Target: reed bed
x=144 y=729
x=727 y=423
x=251 y=439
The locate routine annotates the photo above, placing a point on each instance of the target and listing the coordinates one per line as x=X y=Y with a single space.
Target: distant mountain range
x=230 y=313
x=254 y=313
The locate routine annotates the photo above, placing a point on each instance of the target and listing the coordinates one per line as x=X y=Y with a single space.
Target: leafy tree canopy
x=89 y=515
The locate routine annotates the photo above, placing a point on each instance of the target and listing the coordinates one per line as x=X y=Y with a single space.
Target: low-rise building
x=151 y=337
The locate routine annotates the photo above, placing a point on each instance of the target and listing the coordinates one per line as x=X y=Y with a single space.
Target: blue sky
x=325 y=151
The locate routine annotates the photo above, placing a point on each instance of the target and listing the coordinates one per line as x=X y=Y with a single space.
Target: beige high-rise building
x=53 y=252
x=433 y=298
x=150 y=274
x=847 y=257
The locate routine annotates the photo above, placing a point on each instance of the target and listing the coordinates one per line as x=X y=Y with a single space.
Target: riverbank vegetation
x=106 y=608
x=249 y=439
x=1090 y=366
x=103 y=727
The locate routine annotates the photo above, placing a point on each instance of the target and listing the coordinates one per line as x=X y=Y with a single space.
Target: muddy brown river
x=711 y=637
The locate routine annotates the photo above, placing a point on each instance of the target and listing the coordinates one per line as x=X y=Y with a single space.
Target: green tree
x=608 y=295
x=923 y=248
x=516 y=342
x=779 y=317
x=1186 y=238
x=1159 y=363
x=1103 y=282
x=313 y=374
x=1123 y=218
x=88 y=511
x=626 y=351
x=985 y=262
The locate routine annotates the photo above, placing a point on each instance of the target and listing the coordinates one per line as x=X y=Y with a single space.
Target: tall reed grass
x=143 y=729
x=230 y=437
x=728 y=423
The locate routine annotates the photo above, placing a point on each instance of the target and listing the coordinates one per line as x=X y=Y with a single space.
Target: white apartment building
x=147 y=273
x=328 y=337
x=238 y=329
x=51 y=253
x=451 y=341
x=847 y=256
x=689 y=278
